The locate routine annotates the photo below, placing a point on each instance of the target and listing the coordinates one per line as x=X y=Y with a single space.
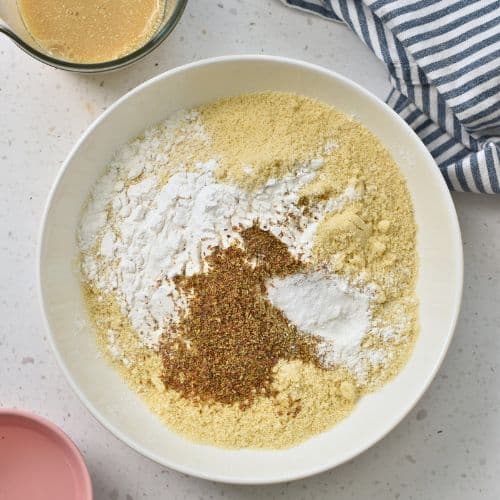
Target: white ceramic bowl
x=101 y=388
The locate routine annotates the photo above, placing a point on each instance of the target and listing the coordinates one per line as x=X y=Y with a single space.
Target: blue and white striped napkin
x=443 y=58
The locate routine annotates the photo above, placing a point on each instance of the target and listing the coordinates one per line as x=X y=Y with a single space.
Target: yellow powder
x=311 y=403
x=373 y=239
x=265 y=135
x=376 y=234
x=309 y=400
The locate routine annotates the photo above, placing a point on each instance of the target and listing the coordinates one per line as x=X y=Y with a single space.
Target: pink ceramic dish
x=38 y=461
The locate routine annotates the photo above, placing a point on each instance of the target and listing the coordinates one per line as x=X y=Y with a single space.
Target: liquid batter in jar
x=91 y=31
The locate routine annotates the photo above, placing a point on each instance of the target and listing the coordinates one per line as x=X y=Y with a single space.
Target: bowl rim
x=327 y=465
x=56 y=431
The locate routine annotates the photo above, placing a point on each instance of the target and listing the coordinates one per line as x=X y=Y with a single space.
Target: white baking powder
x=326 y=306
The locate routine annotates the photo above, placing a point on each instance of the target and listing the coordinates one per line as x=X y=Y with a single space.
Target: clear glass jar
x=12 y=25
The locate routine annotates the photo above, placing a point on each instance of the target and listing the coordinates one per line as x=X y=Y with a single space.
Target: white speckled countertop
x=449 y=445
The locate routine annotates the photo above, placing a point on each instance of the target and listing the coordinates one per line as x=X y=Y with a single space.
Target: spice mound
x=231 y=337
x=249 y=267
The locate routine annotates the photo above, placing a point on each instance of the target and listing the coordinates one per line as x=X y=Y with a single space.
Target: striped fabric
x=443 y=58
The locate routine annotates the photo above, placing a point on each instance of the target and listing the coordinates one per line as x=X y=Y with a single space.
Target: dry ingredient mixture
x=91 y=31
x=249 y=267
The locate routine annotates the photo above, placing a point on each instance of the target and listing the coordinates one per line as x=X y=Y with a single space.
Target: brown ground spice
x=226 y=346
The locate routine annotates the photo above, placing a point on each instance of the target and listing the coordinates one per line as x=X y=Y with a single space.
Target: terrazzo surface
x=449 y=445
